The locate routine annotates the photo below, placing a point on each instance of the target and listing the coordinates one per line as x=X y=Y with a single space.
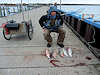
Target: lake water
x=80 y=9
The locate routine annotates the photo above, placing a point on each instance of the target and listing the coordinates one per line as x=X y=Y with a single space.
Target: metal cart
x=11 y=27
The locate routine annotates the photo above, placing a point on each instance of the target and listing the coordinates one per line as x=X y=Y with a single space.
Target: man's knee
x=62 y=31
x=46 y=33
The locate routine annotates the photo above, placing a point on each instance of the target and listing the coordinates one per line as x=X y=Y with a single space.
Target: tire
x=30 y=30
x=6 y=36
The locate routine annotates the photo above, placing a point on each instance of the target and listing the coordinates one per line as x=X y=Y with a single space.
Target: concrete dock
x=21 y=56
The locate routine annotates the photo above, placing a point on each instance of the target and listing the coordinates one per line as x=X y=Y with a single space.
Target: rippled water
x=86 y=9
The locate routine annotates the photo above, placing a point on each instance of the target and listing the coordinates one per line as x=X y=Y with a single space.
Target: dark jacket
x=45 y=20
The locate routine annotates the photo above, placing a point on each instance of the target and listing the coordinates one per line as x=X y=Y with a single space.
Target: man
x=55 y=4
x=52 y=22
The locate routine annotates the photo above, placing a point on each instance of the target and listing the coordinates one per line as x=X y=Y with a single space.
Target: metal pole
x=22 y=11
x=4 y=11
x=28 y=10
x=0 y=11
x=60 y=4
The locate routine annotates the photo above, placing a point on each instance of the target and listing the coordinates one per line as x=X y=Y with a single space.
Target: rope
x=93 y=36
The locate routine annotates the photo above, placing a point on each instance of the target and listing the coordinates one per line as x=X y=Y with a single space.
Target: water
x=83 y=9
x=86 y=9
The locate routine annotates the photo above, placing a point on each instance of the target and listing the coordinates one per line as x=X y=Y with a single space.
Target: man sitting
x=52 y=22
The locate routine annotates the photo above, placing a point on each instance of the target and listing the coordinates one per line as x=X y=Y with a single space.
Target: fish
x=69 y=50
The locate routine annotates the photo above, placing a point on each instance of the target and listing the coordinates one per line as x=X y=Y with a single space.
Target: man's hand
x=44 y=29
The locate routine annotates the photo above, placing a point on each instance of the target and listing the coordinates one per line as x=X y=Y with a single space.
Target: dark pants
x=61 y=35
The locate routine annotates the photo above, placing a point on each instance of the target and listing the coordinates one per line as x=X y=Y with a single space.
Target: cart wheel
x=6 y=36
x=30 y=30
